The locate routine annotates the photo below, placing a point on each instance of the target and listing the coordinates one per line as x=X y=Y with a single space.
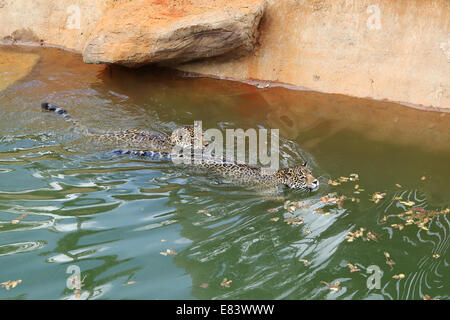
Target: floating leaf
x=398 y=226
x=423 y=178
x=436 y=256
x=371 y=236
x=427 y=297
x=10 y=284
x=389 y=261
x=275 y=219
x=352 y=268
x=408 y=203
x=377 y=196
x=204 y=285
x=333 y=183
x=226 y=283
x=399 y=276
x=204 y=212
x=294 y=221
x=272 y=210
x=398 y=185
x=77 y=293
x=332 y=287
x=303 y=260
x=168 y=252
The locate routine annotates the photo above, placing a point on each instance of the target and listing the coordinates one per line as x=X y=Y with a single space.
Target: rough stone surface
x=151 y=31
x=394 y=50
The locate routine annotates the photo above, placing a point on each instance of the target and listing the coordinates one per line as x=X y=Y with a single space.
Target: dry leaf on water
x=294 y=221
x=226 y=283
x=16 y=221
x=10 y=284
x=332 y=287
x=168 y=252
x=427 y=297
x=204 y=212
x=303 y=260
x=398 y=226
x=352 y=268
x=377 y=196
x=333 y=183
x=389 y=261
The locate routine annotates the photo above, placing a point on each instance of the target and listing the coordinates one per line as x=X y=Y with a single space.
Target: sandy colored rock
x=150 y=31
x=394 y=50
x=23 y=63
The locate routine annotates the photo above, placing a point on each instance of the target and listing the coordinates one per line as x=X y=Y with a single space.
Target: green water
x=112 y=216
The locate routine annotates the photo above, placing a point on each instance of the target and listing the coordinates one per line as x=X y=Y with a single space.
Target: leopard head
x=186 y=137
x=298 y=178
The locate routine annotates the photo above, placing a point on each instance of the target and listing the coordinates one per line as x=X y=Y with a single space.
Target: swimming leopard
x=154 y=145
x=140 y=141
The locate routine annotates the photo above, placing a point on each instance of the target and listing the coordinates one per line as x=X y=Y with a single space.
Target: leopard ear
x=304 y=165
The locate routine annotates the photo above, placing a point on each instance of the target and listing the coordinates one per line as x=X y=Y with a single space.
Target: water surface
x=67 y=200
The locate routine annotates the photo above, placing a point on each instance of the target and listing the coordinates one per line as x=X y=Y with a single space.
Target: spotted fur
x=297 y=178
x=160 y=146
x=133 y=138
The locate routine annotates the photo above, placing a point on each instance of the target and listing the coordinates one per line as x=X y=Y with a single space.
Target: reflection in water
x=113 y=215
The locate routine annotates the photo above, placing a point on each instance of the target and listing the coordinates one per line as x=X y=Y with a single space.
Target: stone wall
x=384 y=49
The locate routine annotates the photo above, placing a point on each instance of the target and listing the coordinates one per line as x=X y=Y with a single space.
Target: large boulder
x=144 y=32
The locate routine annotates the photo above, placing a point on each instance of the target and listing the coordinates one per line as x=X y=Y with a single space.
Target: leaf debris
x=353 y=268
x=226 y=283
x=333 y=287
x=168 y=252
x=10 y=284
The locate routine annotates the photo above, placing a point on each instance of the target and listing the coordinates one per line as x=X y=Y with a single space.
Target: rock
x=22 y=35
x=144 y=32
